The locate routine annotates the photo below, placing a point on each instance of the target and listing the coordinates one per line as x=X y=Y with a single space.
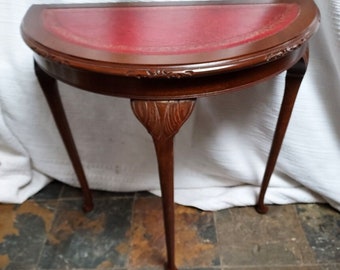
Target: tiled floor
x=125 y=231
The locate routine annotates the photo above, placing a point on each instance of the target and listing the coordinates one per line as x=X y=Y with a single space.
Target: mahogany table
x=165 y=55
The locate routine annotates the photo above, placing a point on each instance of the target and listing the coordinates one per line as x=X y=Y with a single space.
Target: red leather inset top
x=165 y=30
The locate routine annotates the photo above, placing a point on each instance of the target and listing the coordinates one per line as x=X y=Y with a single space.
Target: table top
x=188 y=38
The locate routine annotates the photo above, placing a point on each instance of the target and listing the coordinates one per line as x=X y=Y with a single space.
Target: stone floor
x=125 y=231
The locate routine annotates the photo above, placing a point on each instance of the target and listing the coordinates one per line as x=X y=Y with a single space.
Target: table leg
x=293 y=81
x=50 y=89
x=163 y=119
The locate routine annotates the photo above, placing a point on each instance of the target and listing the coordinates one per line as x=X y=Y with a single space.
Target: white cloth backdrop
x=220 y=152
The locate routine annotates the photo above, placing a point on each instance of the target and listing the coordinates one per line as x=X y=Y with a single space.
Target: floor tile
x=202 y=268
x=51 y=191
x=145 y=194
x=74 y=193
x=330 y=267
x=294 y=267
x=322 y=228
x=125 y=232
x=96 y=240
x=247 y=238
x=196 y=244
x=19 y=266
x=23 y=230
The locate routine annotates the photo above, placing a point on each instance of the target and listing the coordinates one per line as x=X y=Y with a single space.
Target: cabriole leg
x=293 y=81
x=163 y=119
x=51 y=92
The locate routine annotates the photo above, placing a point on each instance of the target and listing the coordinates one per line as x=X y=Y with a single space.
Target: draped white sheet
x=220 y=152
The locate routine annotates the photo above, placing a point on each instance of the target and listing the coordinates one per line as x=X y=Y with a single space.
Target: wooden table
x=165 y=55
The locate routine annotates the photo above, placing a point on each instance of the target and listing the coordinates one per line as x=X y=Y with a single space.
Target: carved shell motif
x=162 y=119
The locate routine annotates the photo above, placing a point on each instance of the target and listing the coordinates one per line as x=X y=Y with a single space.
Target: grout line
x=127 y=264
x=304 y=233
x=48 y=231
x=218 y=239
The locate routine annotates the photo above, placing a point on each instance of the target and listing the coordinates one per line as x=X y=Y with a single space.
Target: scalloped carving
x=285 y=51
x=160 y=73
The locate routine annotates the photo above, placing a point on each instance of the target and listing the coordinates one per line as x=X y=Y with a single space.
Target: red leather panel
x=168 y=30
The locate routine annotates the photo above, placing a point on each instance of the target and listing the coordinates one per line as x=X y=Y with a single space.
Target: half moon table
x=165 y=55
